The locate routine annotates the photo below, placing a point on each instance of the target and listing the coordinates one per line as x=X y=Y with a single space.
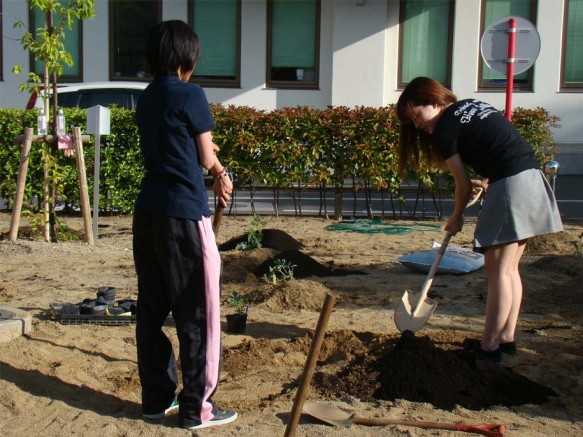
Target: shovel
x=415 y=309
x=217 y=219
x=334 y=416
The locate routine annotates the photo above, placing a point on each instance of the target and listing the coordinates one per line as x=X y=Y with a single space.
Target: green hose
x=366 y=226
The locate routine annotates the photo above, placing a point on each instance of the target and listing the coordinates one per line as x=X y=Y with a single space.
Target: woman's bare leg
x=504 y=293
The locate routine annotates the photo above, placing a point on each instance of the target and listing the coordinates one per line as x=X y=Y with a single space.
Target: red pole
x=510 y=66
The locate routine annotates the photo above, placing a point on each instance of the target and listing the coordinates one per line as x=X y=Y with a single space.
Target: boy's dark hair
x=171 y=44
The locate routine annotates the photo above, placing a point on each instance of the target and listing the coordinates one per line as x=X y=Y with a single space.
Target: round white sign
x=494 y=45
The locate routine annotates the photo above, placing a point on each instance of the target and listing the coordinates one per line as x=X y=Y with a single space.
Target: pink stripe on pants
x=212 y=272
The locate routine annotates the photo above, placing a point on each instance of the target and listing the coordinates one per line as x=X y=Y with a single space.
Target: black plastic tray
x=81 y=319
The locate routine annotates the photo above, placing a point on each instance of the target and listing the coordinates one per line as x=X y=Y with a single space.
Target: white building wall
x=358 y=60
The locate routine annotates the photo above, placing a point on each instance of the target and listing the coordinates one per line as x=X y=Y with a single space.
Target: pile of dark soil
x=289 y=248
x=415 y=369
x=272 y=238
x=305 y=266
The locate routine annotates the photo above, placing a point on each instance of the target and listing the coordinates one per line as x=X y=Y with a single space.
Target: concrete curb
x=14 y=323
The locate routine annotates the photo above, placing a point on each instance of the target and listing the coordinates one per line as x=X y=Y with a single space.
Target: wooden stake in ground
x=310 y=366
x=83 y=190
x=20 y=184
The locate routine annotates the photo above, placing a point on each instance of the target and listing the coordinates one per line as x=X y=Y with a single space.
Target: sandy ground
x=81 y=379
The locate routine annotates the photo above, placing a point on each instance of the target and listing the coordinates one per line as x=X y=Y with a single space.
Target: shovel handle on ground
x=492 y=430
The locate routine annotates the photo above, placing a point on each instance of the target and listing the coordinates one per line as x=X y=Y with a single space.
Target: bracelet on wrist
x=220 y=174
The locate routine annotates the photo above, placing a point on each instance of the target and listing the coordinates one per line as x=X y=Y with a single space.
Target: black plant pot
x=236 y=323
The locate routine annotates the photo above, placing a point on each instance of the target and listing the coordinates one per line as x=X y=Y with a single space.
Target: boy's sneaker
x=173 y=406
x=221 y=417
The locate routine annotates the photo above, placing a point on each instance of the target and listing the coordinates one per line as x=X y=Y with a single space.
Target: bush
x=288 y=147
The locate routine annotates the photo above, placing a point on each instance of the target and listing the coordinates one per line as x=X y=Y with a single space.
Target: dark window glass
x=572 y=65
x=73 y=42
x=425 y=40
x=217 y=24
x=493 y=10
x=293 y=43
x=1 y=33
x=129 y=22
x=103 y=98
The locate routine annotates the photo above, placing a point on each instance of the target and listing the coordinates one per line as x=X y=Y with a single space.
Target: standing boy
x=175 y=252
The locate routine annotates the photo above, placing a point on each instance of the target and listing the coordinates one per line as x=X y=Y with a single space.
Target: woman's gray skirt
x=516 y=208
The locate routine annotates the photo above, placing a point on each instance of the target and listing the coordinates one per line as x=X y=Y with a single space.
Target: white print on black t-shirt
x=474 y=108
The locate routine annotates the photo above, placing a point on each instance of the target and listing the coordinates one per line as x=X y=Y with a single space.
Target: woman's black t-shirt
x=484 y=139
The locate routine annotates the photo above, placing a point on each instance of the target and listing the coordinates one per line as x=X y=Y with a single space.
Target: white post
x=96 y=184
x=98 y=120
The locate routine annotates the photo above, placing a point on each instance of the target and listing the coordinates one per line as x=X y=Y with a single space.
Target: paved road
x=568 y=189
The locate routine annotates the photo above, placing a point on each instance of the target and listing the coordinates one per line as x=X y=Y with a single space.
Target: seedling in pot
x=239 y=302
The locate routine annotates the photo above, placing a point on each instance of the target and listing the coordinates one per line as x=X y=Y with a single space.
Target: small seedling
x=578 y=245
x=254 y=235
x=280 y=271
x=239 y=302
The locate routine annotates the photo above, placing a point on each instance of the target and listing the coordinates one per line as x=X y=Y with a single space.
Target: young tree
x=47 y=46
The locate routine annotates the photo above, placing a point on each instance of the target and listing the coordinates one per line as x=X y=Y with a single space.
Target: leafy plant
x=254 y=235
x=280 y=271
x=284 y=149
x=239 y=302
x=38 y=223
x=578 y=244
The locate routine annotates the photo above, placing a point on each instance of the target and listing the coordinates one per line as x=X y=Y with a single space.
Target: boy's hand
x=223 y=188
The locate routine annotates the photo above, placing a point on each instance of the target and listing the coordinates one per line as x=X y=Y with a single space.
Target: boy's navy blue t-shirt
x=170 y=113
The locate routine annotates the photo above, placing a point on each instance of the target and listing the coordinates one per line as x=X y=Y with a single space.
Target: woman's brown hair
x=415 y=143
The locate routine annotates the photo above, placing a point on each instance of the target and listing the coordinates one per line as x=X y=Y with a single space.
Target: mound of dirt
x=415 y=369
x=272 y=238
x=564 y=264
x=558 y=243
x=291 y=295
x=305 y=266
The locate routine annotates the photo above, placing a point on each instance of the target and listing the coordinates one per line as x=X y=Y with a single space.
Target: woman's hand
x=478 y=184
x=454 y=224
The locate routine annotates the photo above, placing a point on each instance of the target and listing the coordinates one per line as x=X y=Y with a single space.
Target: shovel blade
x=405 y=317
x=328 y=414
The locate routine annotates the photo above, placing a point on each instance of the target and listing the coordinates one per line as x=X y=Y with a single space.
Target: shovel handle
x=479 y=191
x=491 y=430
x=217 y=219
x=432 y=271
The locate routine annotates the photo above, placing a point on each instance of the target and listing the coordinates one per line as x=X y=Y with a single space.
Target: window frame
x=219 y=83
x=564 y=87
x=291 y=84
x=517 y=87
x=451 y=21
x=64 y=77
x=112 y=77
x=1 y=40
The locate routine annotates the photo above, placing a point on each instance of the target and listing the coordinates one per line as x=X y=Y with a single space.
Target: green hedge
x=288 y=148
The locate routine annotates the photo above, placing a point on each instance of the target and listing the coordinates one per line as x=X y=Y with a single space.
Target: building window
x=425 y=40
x=73 y=42
x=1 y=38
x=493 y=10
x=572 y=63
x=218 y=26
x=129 y=23
x=293 y=43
